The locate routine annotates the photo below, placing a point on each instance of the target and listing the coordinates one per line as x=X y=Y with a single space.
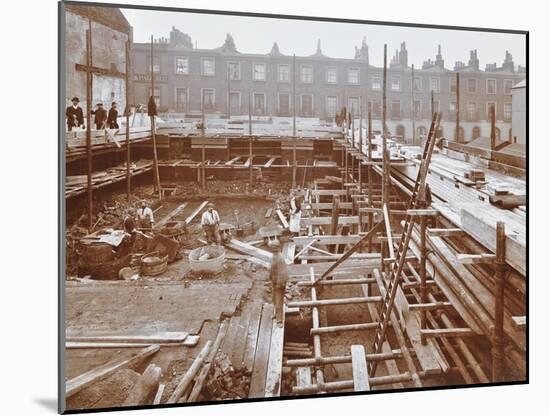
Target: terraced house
x=228 y=82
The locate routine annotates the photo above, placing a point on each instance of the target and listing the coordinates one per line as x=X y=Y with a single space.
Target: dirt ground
x=176 y=300
x=180 y=300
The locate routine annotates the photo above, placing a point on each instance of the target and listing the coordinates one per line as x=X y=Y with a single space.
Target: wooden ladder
x=400 y=257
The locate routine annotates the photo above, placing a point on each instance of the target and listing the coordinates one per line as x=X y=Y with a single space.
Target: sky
x=256 y=35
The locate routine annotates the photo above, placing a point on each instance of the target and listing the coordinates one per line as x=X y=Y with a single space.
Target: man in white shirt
x=145 y=216
x=210 y=222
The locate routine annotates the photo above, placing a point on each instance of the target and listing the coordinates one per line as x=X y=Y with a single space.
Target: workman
x=145 y=216
x=210 y=222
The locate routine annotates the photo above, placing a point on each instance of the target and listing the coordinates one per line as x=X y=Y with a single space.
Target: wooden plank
x=198 y=210
x=329 y=192
x=359 y=367
x=289 y=252
x=327 y=220
x=354 y=267
x=237 y=354
x=158 y=395
x=520 y=322
x=165 y=337
x=476 y=258
x=270 y=162
x=327 y=239
x=185 y=381
x=327 y=206
x=275 y=364
x=282 y=218
x=481 y=224
x=303 y=376
x=391 y=365
x=451 y=332
x=424 y=353
x=231 y=337
x=80 y=382
x=445 y=232
x=233 y=160
x=171 y=215
x=268 y=213
x=388 y=231
x=259 y=370
x=252 y=336
x=248 y=249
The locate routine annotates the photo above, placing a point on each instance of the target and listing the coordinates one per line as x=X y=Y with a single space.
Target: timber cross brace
x=354 y=248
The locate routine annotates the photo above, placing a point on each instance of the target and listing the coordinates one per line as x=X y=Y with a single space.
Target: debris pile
x=226 y=382
x=269 y=190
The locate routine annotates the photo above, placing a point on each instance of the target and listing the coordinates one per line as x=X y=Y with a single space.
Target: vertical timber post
x=413 y=112
x=153 y=129
x=369 y=173
x=128 y=152
x=203 y=151
x=493 y=129
x=88 y=122
x=385 y=197
x=294 y=121
x=422 y=273
x=498 y=335
x=457 y=108
x=250 y=138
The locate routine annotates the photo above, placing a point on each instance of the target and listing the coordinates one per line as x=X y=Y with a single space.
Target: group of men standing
x=102 y=118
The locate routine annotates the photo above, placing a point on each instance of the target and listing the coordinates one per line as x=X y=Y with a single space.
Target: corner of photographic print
x=262 y=206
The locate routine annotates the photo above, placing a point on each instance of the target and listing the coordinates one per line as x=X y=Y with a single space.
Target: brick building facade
x=225 y=81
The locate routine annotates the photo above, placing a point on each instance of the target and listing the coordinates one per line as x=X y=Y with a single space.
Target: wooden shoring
x=399 y=336
x=455 y=357
x=497 y=370
x=330 y=360
x=315 y=324
x=89 y=92
x=127 y=113
x=335 y=301
x=153 y=130
x=349 y=384
x=354 y=248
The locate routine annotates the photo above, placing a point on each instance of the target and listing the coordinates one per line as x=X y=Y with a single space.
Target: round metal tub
x=212 y=262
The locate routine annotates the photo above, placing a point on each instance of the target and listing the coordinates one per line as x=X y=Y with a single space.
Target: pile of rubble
x=273 y=190
x=106 y=214
x=226 y=382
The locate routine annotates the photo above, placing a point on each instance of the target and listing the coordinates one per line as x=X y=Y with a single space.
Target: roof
x=521 y=84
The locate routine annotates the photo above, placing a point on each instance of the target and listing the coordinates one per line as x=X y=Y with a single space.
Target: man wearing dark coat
x=100 y=118
x=74 y=114
x=112 y=117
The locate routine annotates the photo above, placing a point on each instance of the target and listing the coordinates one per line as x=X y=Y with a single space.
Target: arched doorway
x=510 y=134
x=460 y=134
x=476 y=132
x=497 y=133
x=400 y=131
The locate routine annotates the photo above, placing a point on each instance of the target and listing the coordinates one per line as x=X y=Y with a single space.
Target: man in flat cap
x=112 y=117
x=210 y=222
x=100 y=118
x=75 y=117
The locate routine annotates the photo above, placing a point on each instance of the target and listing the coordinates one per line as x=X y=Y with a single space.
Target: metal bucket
x=212 y=265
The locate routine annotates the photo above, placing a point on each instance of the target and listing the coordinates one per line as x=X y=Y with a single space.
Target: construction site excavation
x=233 y=254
